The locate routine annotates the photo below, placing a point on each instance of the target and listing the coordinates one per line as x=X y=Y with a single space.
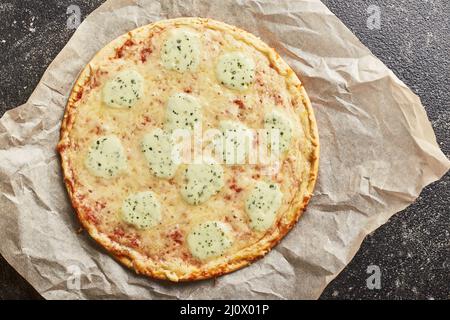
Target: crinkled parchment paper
x=378 y=151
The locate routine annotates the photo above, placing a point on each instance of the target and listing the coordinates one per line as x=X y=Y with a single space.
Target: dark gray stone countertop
x=412 y=250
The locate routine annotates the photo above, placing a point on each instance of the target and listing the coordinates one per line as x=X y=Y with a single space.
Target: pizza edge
x=132 y=258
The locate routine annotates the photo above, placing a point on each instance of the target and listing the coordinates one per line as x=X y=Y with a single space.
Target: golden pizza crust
x=146 y=265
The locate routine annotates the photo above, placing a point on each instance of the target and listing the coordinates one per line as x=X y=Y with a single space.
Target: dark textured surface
x=413 y=248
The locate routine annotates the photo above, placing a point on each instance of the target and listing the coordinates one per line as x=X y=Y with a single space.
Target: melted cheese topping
x=235 y=70
x=106 y=157
x=209 y=239
x=183 y=112
x=160 y=152
x=201 y=182
x=142 y=210
x=181 y=51
x=124 y=90
x=280 y=122
x=262 y=205
x=235 y=142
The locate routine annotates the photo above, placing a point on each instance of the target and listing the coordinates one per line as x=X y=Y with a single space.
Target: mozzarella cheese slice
x=181 y=51
x=142 y=210
x=161 y=153
x=235 y=70
x=235 y=142
x=209 y=239
x=201 y=182
x=262 y=205
x=276 y=120
x=124 y=90
x=106 y=157
x=183 y=112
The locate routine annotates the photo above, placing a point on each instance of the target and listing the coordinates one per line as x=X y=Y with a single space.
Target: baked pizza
x=162 y=147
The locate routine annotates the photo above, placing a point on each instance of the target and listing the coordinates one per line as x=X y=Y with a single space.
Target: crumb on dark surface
x=413 y=248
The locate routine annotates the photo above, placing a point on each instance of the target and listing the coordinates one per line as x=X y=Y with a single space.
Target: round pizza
x=189 y=148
